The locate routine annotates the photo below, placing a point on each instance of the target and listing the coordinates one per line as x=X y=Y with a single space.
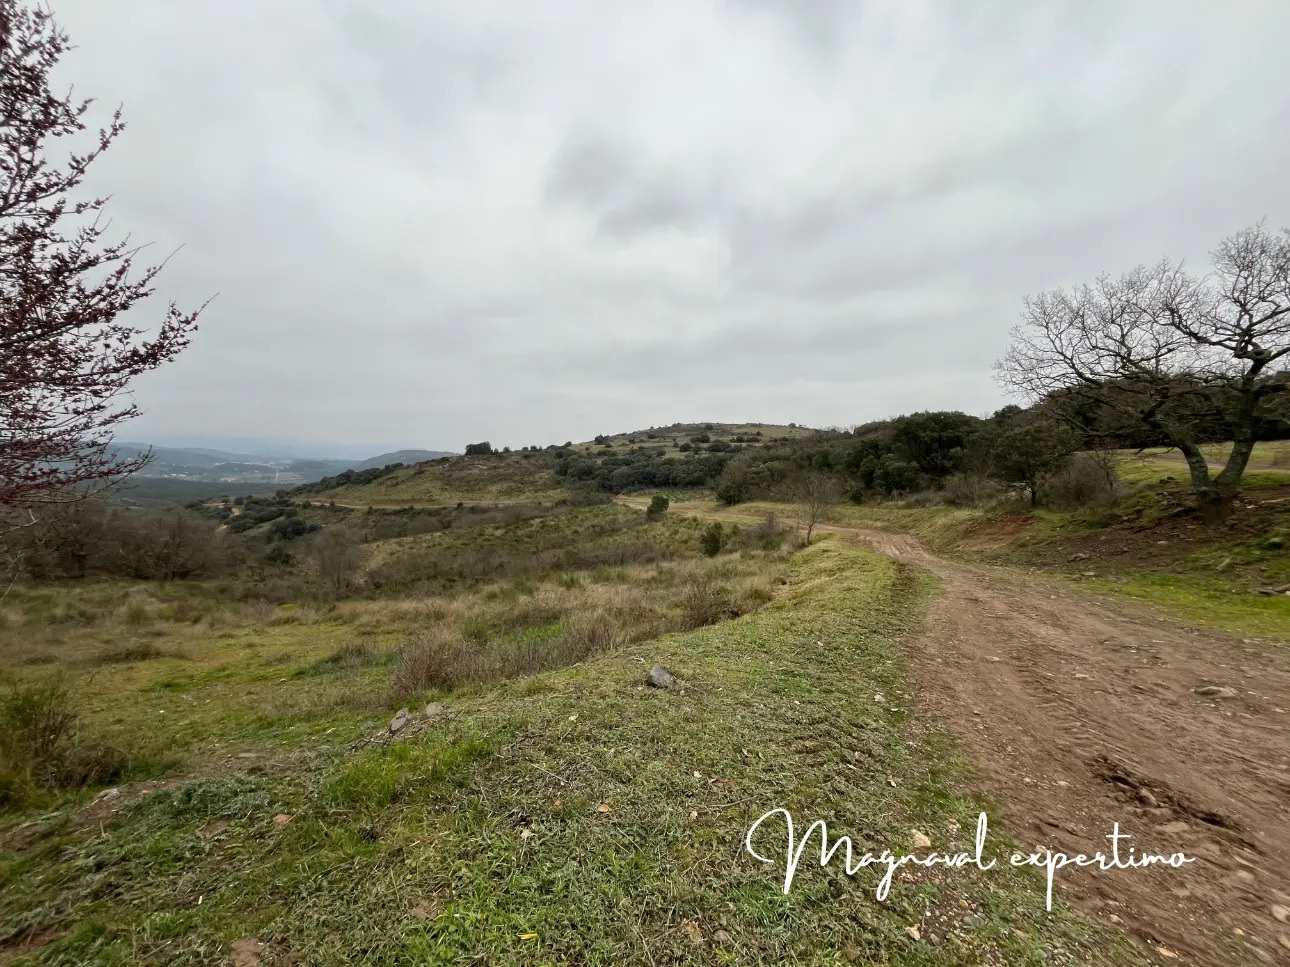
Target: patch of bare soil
x=1082 y=713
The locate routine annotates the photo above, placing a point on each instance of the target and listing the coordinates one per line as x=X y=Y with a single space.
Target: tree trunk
x=1213 y=504
x=1214 y=507
x=1229 y=481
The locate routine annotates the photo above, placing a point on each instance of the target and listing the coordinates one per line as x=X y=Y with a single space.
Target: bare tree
x=335 y=559
x=815 y=493
x=1162 y=349
x=66 y=359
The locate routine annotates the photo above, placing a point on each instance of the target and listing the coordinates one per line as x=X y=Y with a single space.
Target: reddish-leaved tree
x=67 y=355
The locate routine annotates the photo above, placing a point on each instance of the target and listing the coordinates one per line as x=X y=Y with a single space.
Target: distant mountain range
x=205 y=465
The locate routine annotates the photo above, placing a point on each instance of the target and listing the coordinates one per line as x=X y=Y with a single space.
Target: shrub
x=586 y=634
x=1084 y=481
x=440 y=659
x=657 y=507
x=769 y=534
x=966 y=489
x=706 y=602
x=713 y=539
x=334 y=559
x=479 y=449
x=40 y=747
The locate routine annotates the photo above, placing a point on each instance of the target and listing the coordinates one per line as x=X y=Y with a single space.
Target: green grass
x=576 y=539
x=575 y=817
x=1269 y=464
x=1204 y=602
x=495 y=479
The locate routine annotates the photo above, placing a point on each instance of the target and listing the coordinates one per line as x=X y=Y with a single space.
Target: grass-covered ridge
x=576 y=816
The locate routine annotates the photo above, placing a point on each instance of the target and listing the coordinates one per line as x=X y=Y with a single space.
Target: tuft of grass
x=141 y=652
x=41 y=747
x=348 y=657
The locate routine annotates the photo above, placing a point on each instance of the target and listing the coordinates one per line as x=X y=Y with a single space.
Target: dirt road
x=1081 y=712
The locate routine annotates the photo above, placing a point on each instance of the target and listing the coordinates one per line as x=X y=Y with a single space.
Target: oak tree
x=1169 y=351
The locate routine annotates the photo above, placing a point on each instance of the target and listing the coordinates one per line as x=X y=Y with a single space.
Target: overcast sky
x=437 y=221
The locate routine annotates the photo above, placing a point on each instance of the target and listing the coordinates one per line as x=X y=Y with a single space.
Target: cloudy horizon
x=432 y=222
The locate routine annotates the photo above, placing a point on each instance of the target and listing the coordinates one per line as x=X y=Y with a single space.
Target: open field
x=285 y=839
x=408 y=764
x=1269 y=464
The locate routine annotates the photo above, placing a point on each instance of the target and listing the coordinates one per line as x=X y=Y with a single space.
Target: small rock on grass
x=402 y=719
x=921 y=841
x=660 y=677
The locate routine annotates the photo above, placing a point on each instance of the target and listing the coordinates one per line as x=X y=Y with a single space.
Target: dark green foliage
x=354 y=478
x=479 y=449
x=713 y=539
x=1029 y=450
x=657 y=507
x=642 y=467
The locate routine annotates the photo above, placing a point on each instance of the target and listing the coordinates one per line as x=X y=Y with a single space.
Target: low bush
x=713 y=539
x=40 y=744
x=439 y=659
x=706 y=602
x=1086 y=480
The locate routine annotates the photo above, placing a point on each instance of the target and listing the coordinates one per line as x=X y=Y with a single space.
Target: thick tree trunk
x=1229 y=481
x=1209 y=501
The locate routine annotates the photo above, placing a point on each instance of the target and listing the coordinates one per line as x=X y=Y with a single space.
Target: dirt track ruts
x=1079 y=712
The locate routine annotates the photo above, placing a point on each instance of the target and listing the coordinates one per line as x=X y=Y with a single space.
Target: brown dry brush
x=484 y=650
x=66 y=358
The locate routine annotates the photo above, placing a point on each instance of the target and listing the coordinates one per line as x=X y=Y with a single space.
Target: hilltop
x=687 y=455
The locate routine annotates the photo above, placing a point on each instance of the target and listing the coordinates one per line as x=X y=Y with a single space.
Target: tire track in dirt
x=1079 y=713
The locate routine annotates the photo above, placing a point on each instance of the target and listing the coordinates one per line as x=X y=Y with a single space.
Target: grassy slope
x=1269 y=463
x=681 y=433
x=496 y=479
x=485 y=840
x=524 y=477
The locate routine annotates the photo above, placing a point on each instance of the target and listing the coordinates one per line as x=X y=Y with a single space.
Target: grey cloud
x=432 y=221
x=628 y=200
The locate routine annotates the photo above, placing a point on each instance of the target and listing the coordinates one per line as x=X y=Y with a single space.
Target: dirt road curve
x=1080 y=713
